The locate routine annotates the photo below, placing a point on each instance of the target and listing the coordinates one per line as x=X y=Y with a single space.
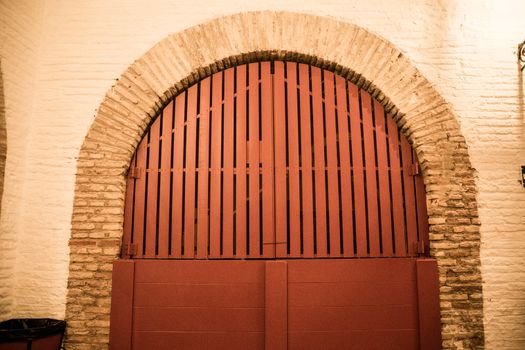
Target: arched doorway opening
x=181 y=59
x=275 y=205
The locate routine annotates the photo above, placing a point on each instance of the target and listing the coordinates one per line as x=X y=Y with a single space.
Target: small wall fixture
x=521 y=55
x=522 y=175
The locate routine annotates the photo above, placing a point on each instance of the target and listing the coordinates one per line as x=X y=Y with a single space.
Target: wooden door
x=274 y=159
x=248 y=201
x=355 y=304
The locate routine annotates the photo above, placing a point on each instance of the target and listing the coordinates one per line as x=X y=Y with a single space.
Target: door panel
x=212 y=319
x=332 y=294
x=352 y=304
x=358 y=270
x=358 y=340
x=274 y=159
x=198 y=305
x=198 y=340
x=276 y=304
x=355 y=317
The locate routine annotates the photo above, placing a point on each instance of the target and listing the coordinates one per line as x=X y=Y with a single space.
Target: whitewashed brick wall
x=59 y=58
x=20 y=28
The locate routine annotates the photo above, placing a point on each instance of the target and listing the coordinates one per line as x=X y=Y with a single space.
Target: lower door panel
x=324 y=304
x=361 y=304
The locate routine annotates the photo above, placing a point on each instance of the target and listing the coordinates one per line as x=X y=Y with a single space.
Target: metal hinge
x=421 y=247
x=413 y=170
x=135 y=173
x=129 y=249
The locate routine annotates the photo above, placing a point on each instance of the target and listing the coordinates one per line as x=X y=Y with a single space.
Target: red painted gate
x=265 y=162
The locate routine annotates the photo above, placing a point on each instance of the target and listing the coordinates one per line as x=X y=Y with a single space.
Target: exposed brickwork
x=180 y=60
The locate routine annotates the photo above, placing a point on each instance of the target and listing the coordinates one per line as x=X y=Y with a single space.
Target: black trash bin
x=31 y=334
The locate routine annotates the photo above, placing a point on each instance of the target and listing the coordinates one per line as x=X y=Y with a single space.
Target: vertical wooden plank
x=293 y=159
x=428 y=304
x=140 y=198
x=409 y=195
x=121 y=316
x=228 y=193
x=331 y=154
x=204 y=157
x=129 y=204
x=276 y=305
x=267 y=160
x=346 y=175
x=240 y=137
x=370 y=171
x=306 y=162
x=357 y=171
x=178 y=157
x=190 y=168
x=279 y=106
x=152 y=190
x=422 y=215
x=397 y=189
x=384 y=188
x=254 y=215
x=319 y=164
x=165 y=181
x=216 y=152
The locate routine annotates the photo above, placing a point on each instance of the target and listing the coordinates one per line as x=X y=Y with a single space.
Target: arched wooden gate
x=248 y=201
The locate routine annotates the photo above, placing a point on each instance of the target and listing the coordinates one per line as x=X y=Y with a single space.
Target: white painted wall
x=60 y=57
x=20 y=28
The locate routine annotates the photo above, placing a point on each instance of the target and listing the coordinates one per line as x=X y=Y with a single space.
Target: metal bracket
x=521 y=55
x=135 y=173
x=421 y=247
x=413 y=170
x=129 y=249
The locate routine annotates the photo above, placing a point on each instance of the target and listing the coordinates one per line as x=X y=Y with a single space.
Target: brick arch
x=181 y=59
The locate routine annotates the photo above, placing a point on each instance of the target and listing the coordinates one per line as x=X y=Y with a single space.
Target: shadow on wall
x=3 y=136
